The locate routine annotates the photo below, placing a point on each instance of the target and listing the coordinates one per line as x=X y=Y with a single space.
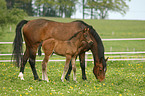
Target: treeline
x=96 y=9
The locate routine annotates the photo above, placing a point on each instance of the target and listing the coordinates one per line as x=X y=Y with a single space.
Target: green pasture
x=122 y=77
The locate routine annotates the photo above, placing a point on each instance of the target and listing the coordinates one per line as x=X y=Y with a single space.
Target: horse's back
x=41 y=29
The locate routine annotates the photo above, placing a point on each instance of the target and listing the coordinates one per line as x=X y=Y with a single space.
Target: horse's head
x=100 y=69
x=87 y=36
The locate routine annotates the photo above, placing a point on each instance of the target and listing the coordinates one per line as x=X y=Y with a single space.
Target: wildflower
x=26 y=93
x=71 y=87
x=120 y=94
x=31 y=87
x=50 y=93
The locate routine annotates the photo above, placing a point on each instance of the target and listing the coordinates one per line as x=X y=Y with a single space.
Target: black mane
x=97 y=38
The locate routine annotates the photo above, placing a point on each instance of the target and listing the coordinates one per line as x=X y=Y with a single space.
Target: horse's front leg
x=67 y=76
x=68 y=59
x=82 y=64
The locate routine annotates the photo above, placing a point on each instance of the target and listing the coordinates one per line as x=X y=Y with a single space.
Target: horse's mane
x=97 y=38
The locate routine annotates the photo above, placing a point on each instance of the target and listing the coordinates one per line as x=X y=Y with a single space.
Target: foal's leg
x=67 y=76
x=68 y=59
x=74 y=68
x=24 y=61
x=32 y=54
x=48 y=47
x=82 y=64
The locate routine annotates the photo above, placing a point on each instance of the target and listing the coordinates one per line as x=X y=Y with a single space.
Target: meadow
x=122 y=77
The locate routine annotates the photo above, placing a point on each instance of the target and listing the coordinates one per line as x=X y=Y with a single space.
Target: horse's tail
x=18 y=44
x=39 y=49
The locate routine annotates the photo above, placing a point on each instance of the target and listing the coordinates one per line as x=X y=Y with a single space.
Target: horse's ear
x=106 y=59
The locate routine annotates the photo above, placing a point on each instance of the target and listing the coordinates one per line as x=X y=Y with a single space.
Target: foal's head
x=87 y=36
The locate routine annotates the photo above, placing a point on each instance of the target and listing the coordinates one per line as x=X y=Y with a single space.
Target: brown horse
x=70 y=49
x=36 y=31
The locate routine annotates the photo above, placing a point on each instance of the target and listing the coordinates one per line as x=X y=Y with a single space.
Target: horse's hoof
x=84 y=78
x=67 y=79
x=21 y=76
x=37 y=79
x=62 y=80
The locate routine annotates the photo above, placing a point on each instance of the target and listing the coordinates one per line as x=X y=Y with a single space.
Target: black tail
x=39 y=49
x=18 y=44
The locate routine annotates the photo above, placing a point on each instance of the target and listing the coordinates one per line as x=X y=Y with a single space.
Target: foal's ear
x=88 y=29
x=106 y=59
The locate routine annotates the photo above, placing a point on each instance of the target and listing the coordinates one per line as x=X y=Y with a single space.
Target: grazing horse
x=100 y=66
x=40 y=30
x=70 y=49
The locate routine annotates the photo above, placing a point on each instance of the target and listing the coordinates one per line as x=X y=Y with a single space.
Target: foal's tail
x=18 y=44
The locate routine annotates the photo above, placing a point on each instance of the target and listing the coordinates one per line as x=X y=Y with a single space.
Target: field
x=122 y=77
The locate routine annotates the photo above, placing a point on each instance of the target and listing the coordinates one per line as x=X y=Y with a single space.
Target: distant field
x=105 y=28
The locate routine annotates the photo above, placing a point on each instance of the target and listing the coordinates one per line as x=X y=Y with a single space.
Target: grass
x=122 y=78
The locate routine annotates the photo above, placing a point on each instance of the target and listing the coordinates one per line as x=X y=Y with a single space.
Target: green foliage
x=25 y=5
x=103 y=6
x=55 y=8
x=10 y=16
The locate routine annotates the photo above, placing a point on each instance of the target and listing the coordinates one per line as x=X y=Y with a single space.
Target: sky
x=136 y=12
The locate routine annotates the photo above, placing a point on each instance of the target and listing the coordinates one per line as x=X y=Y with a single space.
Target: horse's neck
x=76 y=40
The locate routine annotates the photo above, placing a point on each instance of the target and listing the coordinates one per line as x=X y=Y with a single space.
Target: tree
x=55 y=8
x=66 y=7
x=102 y=7
x=9 y=16
x=26 y=5
x=10 y=4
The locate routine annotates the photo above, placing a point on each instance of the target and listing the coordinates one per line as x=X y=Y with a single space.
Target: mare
x=69 y=48
x=38 y=30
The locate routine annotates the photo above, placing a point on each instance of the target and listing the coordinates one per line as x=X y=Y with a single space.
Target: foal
x=70 y=49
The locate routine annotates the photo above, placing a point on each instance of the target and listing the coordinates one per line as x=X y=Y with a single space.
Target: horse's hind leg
x=25 y=58
x=74 y=68
x=32 y=56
